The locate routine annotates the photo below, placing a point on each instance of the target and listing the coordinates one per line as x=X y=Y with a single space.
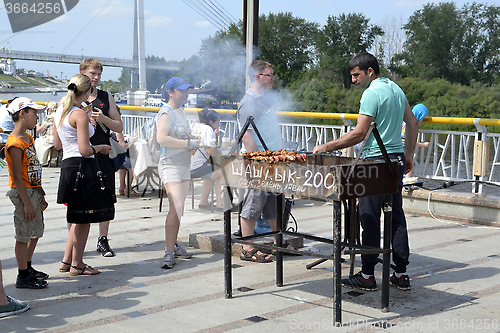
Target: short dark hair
x=206 y=116
x=15 y=116
x=364 y=60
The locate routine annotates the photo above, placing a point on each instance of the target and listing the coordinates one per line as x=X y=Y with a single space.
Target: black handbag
x=90 y=200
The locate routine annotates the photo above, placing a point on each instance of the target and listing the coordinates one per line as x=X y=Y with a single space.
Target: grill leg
x=279 y=241
x=337 y=271
x=387 y=256
x=227 y=247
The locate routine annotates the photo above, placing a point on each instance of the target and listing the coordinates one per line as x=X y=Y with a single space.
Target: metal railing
x=450 y=156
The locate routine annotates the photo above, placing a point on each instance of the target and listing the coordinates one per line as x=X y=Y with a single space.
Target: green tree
x=287 y=43
x=456 y=45
x=342 y=38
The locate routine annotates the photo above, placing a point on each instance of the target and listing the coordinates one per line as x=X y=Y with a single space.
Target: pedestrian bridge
x=77 y=59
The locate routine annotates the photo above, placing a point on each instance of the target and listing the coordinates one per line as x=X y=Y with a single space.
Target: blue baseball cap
x=177 y=83
x=420 y=111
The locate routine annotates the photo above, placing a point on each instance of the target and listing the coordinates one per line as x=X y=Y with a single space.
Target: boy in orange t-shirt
x=26 y=193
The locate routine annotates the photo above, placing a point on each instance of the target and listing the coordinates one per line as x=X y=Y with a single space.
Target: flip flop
x=87 y=270
x=64 y=270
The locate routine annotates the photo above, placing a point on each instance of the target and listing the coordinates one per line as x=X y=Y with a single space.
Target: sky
x=173 y=29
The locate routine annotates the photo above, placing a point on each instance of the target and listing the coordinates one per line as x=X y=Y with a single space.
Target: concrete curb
x=465 y=207
x=214 y=242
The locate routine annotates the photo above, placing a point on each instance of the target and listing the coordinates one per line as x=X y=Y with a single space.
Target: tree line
x=445 y=57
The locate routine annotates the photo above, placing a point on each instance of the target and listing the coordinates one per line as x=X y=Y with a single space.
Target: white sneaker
x=168 y=260
x=179 y=252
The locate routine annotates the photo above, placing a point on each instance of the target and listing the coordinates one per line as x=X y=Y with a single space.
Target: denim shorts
x=203 y=172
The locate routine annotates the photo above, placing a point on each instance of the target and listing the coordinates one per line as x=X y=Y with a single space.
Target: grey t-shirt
x=179 y=129
x=261 y=108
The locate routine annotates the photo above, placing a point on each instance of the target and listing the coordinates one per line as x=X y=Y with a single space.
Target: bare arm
x=114 y=121
x=57 y=140
x=40 y=129
x=79 y=120
x=212 y=151
x=349 y=139
x=16 y=156
x=249 y=141
x=121 y=140
x=164 y=124
x=410 y=137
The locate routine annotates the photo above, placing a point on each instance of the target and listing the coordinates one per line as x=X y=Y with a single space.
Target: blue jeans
x=370 y=211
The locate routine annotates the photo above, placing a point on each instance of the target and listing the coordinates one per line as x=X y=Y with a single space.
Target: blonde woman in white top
x=72 y=131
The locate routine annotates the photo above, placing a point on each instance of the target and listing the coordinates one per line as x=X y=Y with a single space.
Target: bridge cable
x=218 y=11
x=203 y=12
x=85 y=27
x=200 y=9
x=232 y=19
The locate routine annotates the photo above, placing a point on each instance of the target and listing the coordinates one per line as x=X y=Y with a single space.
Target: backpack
x=154 y=148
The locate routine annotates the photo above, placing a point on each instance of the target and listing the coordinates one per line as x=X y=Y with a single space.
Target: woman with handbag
x=202 y=162
x=72 y=131
x=174 y=136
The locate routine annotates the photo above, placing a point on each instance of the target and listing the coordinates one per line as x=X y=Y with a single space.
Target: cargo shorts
x=27 y=229
x=257 y=203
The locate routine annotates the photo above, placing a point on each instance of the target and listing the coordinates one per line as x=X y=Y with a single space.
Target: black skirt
x=69 y=168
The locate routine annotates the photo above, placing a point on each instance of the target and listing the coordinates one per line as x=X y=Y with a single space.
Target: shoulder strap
x=105 y=129
x=173 y=116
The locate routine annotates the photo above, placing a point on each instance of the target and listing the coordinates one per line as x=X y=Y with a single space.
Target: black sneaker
x=402 y=282
x=358 y=281
x=104 y=248
x=30 y=282
x=38 y=274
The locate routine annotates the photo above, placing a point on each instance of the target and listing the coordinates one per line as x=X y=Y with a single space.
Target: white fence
x=449 y=157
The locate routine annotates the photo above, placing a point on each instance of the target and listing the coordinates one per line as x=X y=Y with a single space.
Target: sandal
x=286 y=245
x=64 y=270
x=87 y=270
x=133 y=193
x=249 y=256
x=121 y=192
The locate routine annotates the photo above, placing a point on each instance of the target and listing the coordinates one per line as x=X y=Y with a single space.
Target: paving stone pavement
x=454 y=271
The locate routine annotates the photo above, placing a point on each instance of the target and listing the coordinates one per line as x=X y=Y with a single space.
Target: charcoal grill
x=324 y=177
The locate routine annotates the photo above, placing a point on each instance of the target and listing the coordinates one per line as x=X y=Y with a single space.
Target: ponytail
x=207 y=116
x=78 y=85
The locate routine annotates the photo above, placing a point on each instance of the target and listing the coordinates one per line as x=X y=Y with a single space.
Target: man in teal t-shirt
x=384 y=103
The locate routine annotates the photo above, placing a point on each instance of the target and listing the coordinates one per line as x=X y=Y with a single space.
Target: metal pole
x=251 y=29
x=227 y=244
x=386 y=266
x=134 y=74
x=142 y=46
x=279 y=240
x=337 y=271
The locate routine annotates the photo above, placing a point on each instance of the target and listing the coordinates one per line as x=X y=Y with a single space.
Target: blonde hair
x=52 y=105
x=258 y=67
x=90 y=63
x=78 y=85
